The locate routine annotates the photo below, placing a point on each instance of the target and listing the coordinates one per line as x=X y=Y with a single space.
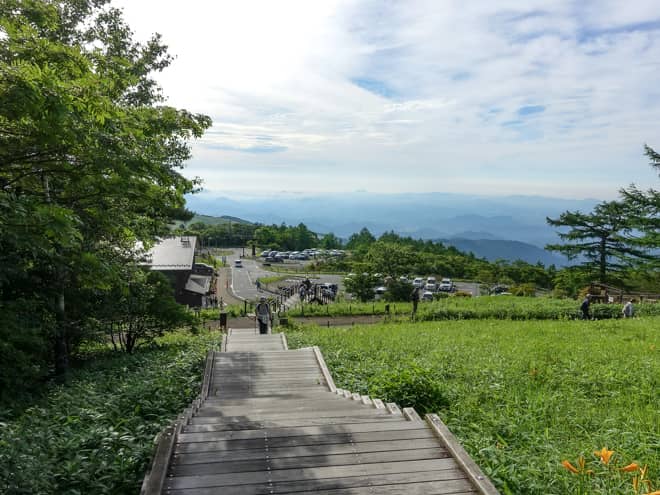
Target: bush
x=24 y=347
x=411 y=386
x=95 y=434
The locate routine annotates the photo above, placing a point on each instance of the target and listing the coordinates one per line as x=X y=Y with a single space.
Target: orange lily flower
x=604 y=455
x=569 y=466
x=630 y=467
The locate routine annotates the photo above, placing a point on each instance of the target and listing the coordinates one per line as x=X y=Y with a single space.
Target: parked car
x=430 y=286
x=274 y=259
x=446 y=285
x=427 y=296
x=238 y=264
x=418 y=282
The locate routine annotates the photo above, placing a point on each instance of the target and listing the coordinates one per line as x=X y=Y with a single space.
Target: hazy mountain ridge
x=494 y=249
x=501 y=220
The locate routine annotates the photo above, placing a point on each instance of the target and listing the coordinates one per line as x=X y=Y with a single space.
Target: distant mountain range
x=515 y=226
x=495 y=249
x=211 y=220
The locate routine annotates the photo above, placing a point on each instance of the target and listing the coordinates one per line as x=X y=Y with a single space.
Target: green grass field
x=520 y=396
x=469 y=308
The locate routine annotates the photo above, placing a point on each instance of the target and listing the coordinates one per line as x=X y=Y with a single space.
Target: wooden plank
x=154 y=481
x=324 y=368
x=278 y=406
x=240 y=423
x=338 y=413
x=208 y=375
x=302 y=431
x=322 y=486
x=298 y=441
x=287 y=475
x=481 y=482
x=272 y=464
x=318 y=405
x=410 y=414
x=306 y=450
x=265 y=367
x=261 y=392
x=292 y=396
x=453 y=487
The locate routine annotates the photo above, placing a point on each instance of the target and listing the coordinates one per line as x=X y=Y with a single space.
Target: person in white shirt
x=628 y=309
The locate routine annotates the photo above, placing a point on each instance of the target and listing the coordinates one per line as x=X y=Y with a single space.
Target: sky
x=542 y=97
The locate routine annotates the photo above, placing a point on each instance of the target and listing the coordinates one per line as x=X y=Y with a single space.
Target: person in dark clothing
x=414 y=297
x=584 y=307
x=262 y=314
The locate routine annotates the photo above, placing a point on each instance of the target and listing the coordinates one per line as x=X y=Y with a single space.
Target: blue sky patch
x=374 y=86
x=530 y=110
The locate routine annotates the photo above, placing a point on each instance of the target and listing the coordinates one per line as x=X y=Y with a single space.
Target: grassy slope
x=521 y=396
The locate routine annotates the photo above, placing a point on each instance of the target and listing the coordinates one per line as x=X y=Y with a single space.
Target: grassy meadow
x=521 y=396
x=469 y=308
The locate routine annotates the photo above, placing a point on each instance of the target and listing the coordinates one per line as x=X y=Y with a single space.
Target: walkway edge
x=154 y=480
x=324 y=369
x=474 y=472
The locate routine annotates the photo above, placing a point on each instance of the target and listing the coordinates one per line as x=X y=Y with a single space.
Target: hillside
x=494 y=249
x=213 y=220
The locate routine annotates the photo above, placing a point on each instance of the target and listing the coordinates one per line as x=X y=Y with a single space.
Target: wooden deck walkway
x=270 y=421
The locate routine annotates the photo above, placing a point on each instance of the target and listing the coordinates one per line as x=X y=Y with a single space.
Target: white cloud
x=406 y=95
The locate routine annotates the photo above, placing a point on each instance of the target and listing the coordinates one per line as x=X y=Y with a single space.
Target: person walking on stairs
x=262 y=314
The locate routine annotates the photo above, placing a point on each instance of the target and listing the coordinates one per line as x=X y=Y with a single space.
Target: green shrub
x=95 y=434
x=411 y=386
x=25 y=332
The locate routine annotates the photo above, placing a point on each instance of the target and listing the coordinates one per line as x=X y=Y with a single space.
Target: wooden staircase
x=270 y=420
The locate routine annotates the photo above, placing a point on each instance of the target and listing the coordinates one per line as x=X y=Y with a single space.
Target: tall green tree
x=90 y=157
x=360 y=241
x=330 y=241
x=600 y=237
x=390 y=258
x=644 y=209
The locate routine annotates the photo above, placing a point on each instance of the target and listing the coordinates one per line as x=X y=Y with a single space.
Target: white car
x=446 y=285
x=238 y=264
x=418 y=282
x=430 y=286
x=427 y=296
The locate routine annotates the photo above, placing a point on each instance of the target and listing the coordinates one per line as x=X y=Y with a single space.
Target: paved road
x=244 y=278
x=471 y=287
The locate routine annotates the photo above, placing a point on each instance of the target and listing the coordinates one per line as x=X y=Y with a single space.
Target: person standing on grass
x=584 y=307
x=258 y=284
x=628 y=310
x=414 y=297
x=262 y=314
